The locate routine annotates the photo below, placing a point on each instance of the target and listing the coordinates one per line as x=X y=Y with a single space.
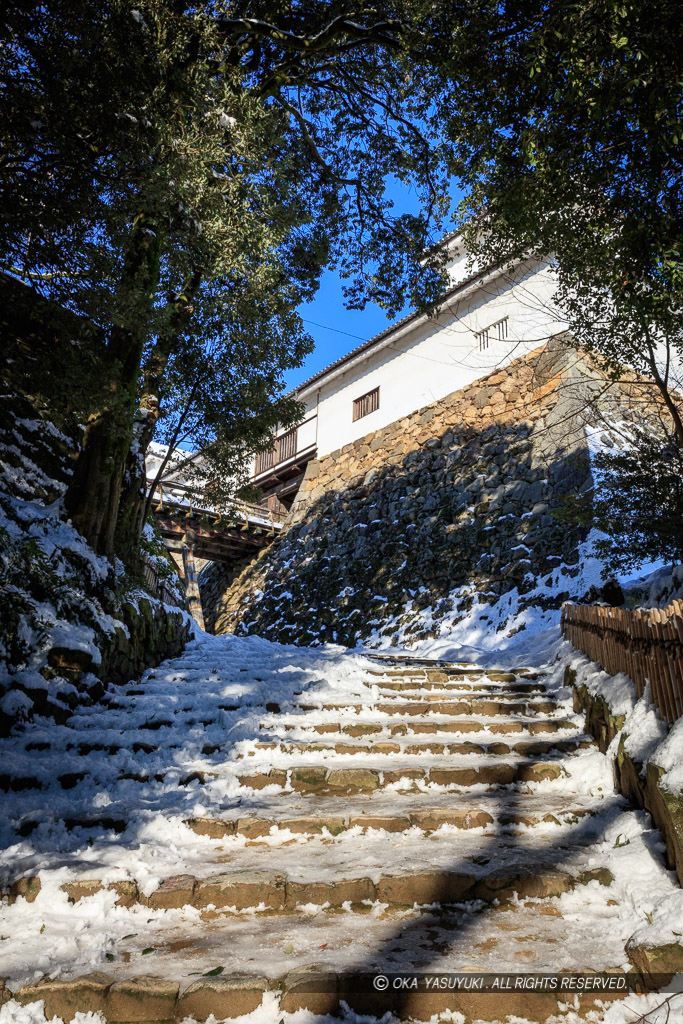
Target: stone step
x=445 y=675
x=247 y=890
x=426 y=746
x=415 y=728
x=482 y=687
x=428 y=820
x=332 y=969
x=486 y=708
x=425 y=725
x=314 y=811
x=342 y=781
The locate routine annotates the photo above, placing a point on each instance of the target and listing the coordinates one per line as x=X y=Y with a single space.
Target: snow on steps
x=470 y=861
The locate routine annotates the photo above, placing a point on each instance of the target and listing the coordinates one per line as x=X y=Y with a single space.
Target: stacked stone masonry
x=456 y=501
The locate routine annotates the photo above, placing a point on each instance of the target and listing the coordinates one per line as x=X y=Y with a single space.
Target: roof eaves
x=366 y=345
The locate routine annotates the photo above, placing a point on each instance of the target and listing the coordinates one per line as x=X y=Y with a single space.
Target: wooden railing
x=158 y=585
x=180 y=496
x=646 y=644
x=283 y=448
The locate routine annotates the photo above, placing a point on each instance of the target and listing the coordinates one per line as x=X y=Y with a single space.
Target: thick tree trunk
x=133 y=498
x=92 y=499
x=131 y=515
x=94 y=495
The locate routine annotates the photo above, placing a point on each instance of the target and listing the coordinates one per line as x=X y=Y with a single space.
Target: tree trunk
x=131 y=513
x=94 y=494
x=92 y=498
x=665 y=391
x=133 y=497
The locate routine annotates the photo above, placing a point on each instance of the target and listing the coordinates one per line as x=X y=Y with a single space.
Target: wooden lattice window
x=366 y=404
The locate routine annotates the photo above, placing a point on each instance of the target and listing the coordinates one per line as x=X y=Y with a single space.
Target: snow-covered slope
x=67 y=616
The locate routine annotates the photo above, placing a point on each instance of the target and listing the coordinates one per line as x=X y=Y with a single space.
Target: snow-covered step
x=313 y=961
x=325 y=721
x=445 y=673
x=312 y=813
x=470 y=875
x=409 y=709
x=418 y=745
x=428 y=819
x=323 y=779
x=472 y=686
x=472 y=693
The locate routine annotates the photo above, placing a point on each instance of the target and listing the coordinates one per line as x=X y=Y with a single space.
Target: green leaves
x=638 y=501
x=569 y=134
x=247 y=154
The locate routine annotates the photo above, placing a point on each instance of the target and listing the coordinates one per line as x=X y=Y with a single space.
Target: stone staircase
x=448 y=820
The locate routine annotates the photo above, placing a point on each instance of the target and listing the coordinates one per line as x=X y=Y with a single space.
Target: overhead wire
x=530 y=300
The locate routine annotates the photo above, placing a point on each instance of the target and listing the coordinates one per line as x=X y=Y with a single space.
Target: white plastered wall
x=429 y=359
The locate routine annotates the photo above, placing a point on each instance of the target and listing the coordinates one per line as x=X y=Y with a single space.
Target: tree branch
x=248 y=28
x=317 y=155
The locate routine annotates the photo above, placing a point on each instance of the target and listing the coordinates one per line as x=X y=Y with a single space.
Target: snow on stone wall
x=447 y=512
x=70 y=622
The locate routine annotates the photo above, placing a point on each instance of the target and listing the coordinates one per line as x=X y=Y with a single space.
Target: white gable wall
x=458 y=266
x=427 y=360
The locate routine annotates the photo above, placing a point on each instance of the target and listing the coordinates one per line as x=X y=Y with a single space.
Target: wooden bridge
x=224 y=534
x=194 y=529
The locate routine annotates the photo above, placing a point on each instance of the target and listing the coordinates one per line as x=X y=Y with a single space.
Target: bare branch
x=317 y=155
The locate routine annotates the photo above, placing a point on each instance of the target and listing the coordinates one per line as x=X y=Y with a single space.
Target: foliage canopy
x=638 y=501
x=569 y=136
x=175 y=170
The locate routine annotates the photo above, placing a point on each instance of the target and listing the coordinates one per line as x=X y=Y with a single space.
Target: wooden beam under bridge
x=213 y=541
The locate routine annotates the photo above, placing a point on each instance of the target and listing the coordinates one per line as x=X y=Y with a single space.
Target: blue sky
x=337 y=330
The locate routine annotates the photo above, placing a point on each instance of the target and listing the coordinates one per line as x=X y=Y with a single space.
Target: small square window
x=366 y=404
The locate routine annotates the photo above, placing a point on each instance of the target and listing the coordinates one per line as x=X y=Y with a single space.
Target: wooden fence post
x=645 y=644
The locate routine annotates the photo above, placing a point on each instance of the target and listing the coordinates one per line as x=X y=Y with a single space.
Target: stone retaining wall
x=453 y=504
x=644 y=786
x=61 y=603
x=152 y=633
x=155 y=633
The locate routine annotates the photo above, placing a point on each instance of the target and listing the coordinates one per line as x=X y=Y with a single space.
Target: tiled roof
x=367 y=345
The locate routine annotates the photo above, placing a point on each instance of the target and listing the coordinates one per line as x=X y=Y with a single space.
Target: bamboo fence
x=646 y=644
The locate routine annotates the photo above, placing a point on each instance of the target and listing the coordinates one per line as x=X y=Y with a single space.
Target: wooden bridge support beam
x=194 y=602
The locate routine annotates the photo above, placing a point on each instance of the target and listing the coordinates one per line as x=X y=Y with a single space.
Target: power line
x=335 y=329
